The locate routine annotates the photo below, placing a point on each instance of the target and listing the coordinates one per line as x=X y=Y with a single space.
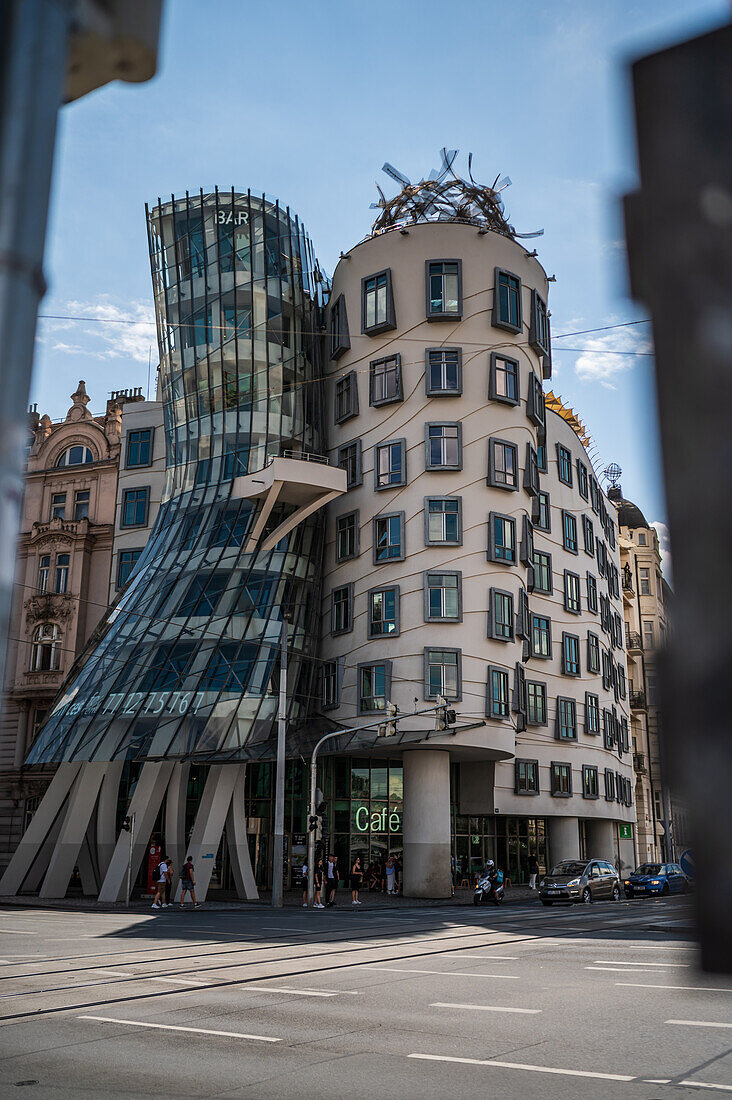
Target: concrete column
x=106 y=836
x=144 y=804
x=563 y=839
x=600 y=840
x=175 y=816
x=427 y=823
x=209 y=824
x=78 y=815
x=236 y=835
x=36 y=834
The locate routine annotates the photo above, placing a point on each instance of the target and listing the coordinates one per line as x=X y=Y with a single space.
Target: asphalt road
x=590 y=1001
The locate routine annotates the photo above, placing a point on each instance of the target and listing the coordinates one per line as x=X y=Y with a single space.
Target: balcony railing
x=639 y=762
x=633 y=640
x=638 y=700
x=627 y=583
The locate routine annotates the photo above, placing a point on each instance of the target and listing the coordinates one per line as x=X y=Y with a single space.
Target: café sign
x=378 y=821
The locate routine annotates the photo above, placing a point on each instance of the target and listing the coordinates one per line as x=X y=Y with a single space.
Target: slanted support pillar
x=78 y=815
x=236 y=835
x=144 y=804
x=210 y=819
x=36 y=835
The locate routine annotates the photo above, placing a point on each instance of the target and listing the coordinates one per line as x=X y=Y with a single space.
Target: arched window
x=46 y=652
x=76 y=456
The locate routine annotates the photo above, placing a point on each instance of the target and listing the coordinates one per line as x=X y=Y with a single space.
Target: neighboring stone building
x=62 y=583
x=645 y=598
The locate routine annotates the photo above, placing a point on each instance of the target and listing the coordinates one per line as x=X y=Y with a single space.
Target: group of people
x=163 y=877
x=383 y=875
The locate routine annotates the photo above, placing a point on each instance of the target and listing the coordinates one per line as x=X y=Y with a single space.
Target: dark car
x=656 y=878
x=580 y=880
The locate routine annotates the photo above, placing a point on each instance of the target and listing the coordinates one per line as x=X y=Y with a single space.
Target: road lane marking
x=115 y=973
x=175 y=981
x=624 y=969
x=374 y=967
x=487 y=1008
x=179 y=1027
x=16 y=932
x=697 y=1023
x=521 y=1065
x=279 y=989
x=687 y=988
x=704 y=1085
x=628 y=962
x=483 y=958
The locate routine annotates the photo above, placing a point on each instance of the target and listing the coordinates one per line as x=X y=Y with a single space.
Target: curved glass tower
x=186 y=663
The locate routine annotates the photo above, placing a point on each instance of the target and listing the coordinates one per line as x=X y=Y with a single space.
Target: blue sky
x=306 y=102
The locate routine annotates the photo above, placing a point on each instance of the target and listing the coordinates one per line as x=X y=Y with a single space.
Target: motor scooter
x=488 y=889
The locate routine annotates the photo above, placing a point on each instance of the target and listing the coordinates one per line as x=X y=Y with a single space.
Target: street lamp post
x=279 y=823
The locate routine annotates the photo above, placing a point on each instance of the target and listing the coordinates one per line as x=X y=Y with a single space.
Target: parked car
x=656 y=878
x=580 y=880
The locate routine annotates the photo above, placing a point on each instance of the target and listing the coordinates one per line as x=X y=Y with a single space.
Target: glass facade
x=185 y=663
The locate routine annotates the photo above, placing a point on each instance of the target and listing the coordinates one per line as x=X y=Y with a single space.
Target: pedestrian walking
x=304 y=884
x=331 y=880
x=169 y=871
x=318 y=885
x=390 y=873
x=188 y=883
x=159 y=879
x=356 y=880
x=533 y=870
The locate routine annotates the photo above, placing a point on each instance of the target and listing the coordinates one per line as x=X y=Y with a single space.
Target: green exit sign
x=626 y=832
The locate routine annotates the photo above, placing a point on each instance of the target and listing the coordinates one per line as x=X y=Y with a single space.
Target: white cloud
x=108 y=336
x=600 y=360
x=664 y=546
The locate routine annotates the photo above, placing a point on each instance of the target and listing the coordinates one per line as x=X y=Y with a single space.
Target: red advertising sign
x=154 y=855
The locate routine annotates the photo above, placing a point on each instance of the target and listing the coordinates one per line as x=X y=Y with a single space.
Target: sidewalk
x=515 y=895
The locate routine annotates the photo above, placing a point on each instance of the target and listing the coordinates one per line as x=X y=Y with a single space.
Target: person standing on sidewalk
x=390 y=873
x=331 y=880
x=304 y=884
x=318 y=884
x=188 y=883
x=169 y=870
x=533 y=871
x=160 y=878
x=356 y=880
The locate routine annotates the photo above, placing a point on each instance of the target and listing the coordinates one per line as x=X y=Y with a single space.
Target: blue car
x=656 y=878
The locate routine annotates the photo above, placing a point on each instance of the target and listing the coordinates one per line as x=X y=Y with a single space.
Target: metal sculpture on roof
x=445 y=196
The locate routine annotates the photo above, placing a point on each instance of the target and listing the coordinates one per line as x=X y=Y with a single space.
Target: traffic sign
x=626 y=832
x=688 y=865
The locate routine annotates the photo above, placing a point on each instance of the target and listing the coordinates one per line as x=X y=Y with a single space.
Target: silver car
x=580 y=880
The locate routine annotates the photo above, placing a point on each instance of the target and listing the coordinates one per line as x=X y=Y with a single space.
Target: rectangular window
x=582 y=482
x=593 y=652
x=541 y=457
x=541 y=636
x=592 y=714
x=539 y=329
x=346 y=397
x=443 y=372
x=561 y=779
x=641 y=538
x=44 y=569
x=389 y=538
x=526 y=549
x=569 y=528
x=500 y=615
x=531 y=471
x=383 y=612
x=543 y=572
x=608 y=729
x=503 y=384
x=377 y=303
x=390 y=466
x=536 y=703
x=349 y=459
x=570 y=655
x=374 y=683
x=385 y=380
x=443 y=597
x=442 y=673
x=126 y=563
x=501 y=538
x=648 y=635
x=443 y=445
x=507 y=301
x=526 y=776
x=347 y=542
x=564 y=464
x=542 y=512
x=443 y=521
x=139 y=447
x=62 y=572
x=621 y=682
x=81 y=504
x=444 y=290
x=203 y=594
x=645 y=581
x=523 y=618
x=330 y=684
x=590 y=782
x=566 y=727
x=609 y=785
x=498 y=700
x=340 y=340
x=502 y=464
x=536 y=405
x=592 y=593
x=572 y=602
x=588 y=536
x=134 y=507
x=341 y=621
x=58 y=506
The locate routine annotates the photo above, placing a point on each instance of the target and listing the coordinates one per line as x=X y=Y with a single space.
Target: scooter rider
x=492 y=874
